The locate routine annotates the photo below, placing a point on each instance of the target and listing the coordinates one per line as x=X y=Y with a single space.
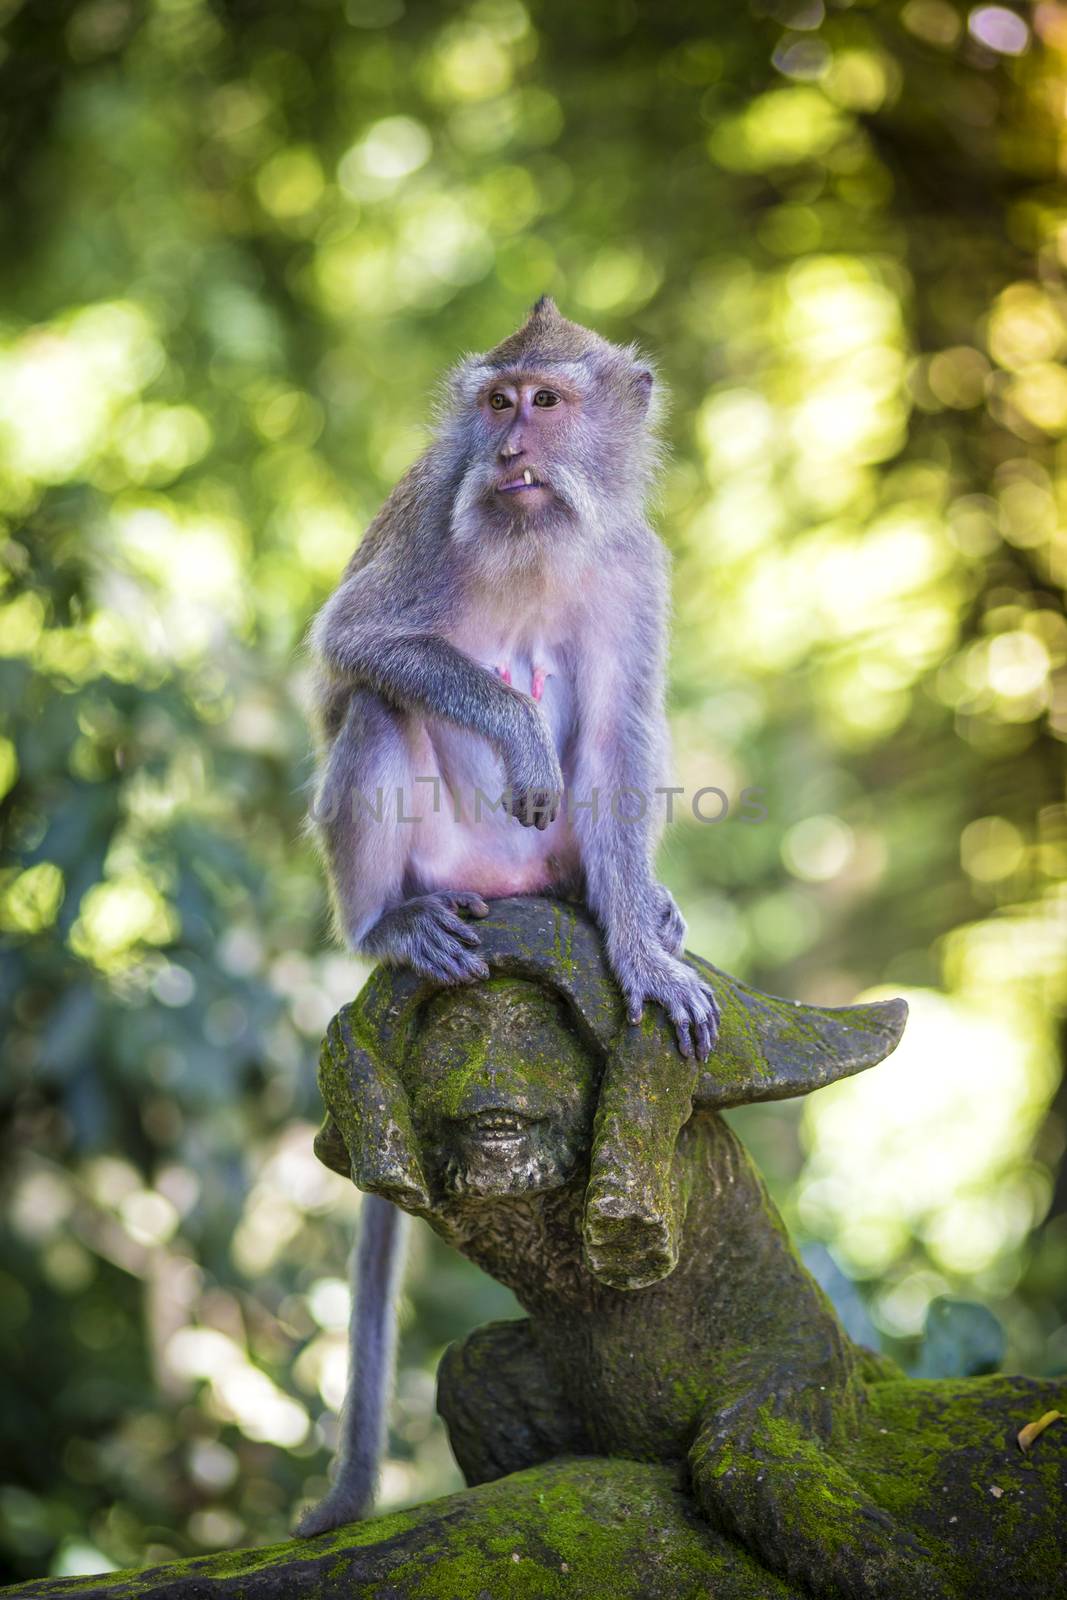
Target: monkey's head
x=552 y=428
x=502 y=1090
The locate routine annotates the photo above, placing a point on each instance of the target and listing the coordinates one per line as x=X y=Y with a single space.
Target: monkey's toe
x=449 y=963
x=466 y=900
x=438 y=943
x=687 y=1000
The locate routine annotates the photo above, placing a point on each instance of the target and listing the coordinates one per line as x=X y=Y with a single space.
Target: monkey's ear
x=369 y=1109
x=635 y=1199
x=642 y=381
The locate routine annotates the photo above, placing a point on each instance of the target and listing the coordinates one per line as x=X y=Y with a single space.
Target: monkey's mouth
x=497 y=1127
x=525 y=480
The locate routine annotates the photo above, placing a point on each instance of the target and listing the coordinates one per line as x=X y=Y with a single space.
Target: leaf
x=1034 y=1430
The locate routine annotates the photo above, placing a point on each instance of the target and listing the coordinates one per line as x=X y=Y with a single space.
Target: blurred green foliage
x=242 y=241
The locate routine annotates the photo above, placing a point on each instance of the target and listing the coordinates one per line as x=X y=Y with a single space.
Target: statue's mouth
x=497 y=1127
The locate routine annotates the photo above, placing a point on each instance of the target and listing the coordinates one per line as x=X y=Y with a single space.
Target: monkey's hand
x=534 y=778
x=428 y=934
x=652 y=974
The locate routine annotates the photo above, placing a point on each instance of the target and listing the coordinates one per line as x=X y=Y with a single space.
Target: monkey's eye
x=545 y=397
x=498 y=401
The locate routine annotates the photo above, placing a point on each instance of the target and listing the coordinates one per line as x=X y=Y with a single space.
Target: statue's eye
x=498 y=401
x=546 y=397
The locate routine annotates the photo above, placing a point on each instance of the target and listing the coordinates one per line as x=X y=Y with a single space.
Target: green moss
x=617 y=1530
x=563 y=939
x=624 y=1530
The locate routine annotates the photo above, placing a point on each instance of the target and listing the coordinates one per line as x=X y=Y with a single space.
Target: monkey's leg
x=361 y=819
x=612 y=805
x=766 y=1479
x=503 y=1408
x=637 y=916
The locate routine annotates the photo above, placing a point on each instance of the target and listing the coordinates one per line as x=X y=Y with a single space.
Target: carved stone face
x=502 y=1090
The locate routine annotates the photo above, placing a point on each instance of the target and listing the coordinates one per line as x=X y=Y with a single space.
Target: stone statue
x=584 y=1164
x=680 y=1416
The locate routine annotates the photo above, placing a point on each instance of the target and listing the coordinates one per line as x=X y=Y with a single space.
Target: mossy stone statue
x=584 y=1164
x=680 y=1414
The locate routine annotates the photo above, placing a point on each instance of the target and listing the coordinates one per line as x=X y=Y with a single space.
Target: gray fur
x=372 y=1333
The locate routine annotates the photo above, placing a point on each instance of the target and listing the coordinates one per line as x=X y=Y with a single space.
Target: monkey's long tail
x=377 y=1262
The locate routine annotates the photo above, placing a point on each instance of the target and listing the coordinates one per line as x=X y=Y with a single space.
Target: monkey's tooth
x=527 y=476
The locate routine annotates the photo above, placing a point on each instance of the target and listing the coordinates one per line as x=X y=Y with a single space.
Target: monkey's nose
x=510 y=448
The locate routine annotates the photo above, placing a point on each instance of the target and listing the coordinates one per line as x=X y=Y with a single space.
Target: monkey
x=504 y=617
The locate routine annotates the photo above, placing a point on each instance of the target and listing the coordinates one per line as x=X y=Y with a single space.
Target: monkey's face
x=526 y=421
x=502 y=1091
x=551 y=433
x=529 y=456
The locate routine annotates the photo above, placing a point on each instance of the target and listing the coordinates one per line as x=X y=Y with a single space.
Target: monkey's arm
x=613 y=804
x=412 y=666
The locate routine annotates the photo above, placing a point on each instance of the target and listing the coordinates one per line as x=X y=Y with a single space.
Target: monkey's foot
x=682 y=993
x=332 y=1511
x=428 y=934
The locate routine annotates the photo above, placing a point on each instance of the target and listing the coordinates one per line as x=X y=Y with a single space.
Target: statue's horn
x=772 y=1049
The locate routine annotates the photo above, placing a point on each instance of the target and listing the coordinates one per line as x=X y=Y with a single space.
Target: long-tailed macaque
x=502 y=627
x=491 y=710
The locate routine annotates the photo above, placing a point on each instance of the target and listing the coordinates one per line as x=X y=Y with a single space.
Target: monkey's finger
x=451 y=951
x=450 y=971
x=707 y=1005
x=547 y=810
x=705 y=1002
x=522 y=811
x=712 y=1003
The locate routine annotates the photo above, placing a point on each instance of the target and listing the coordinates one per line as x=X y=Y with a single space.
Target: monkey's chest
x=463 y=838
